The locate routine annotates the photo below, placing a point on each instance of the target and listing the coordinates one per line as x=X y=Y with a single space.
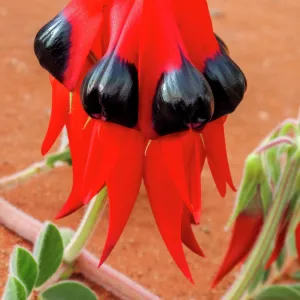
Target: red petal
x=297 y=238
x=280 y=238
x=166 y=204
x=85 y=18
x=193 y=16
x=59 y=111
x=123 y=183
x=94 y=175
x=195 y=175
x=125 y=44
x=244 y=235
x=187 y=234
x=114 y=23
x=79 y=134
x=177 y=160
x=215 y=145
x=159 y=53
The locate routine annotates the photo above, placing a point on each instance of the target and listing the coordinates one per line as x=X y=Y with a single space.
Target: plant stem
x=86 y=227
x=110 y=279
x=32 y=170
x=283 y=194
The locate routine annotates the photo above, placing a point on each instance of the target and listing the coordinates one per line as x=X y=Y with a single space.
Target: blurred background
x=263 y=38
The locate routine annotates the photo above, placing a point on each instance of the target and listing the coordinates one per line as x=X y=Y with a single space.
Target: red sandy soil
x=264 y=39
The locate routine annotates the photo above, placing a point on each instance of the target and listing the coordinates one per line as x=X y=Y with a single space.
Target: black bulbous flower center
x=110 y=91
x=183 y=100
x=52 y=46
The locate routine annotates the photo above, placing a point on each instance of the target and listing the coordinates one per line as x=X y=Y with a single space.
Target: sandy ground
x=264 y=39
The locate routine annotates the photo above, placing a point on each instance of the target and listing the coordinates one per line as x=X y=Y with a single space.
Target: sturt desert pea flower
x=248 y=216
x=144 y=88
x=253 y=204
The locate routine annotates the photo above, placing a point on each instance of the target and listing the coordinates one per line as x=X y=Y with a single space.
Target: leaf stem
x=86 y=227
x=283 y=194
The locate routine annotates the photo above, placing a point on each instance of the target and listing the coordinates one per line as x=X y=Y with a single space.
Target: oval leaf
x=14 y=290
x=24 y=267
x=279 y=292
x=67 y=235
x=68 y=290
x=48 y=252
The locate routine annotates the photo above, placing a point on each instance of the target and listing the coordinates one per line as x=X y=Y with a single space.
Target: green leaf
x=279 y=292
x=48 y=252
x=281 y=258
x=296 y=275
x=24 y=267
x=14 y=290
x=67 y=235
x=68 y=290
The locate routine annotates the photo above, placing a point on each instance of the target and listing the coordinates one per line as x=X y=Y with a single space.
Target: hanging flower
x=144 y=88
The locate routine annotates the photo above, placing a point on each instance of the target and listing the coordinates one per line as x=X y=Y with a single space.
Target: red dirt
x=263 y=38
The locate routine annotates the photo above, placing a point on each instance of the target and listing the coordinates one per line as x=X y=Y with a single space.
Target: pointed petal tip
x=44 y=150
x=191 y=280
x=197 y=216
x=214 y=284
x=46 y=145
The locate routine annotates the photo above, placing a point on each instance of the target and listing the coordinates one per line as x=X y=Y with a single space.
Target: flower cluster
x=270 y=171
x=144 y=88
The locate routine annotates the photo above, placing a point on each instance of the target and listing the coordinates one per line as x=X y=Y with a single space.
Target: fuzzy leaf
x=68 y=290
x=48 y=252
x=24 y=267
x=67 y=235
x=14 y=290
x=279 y=292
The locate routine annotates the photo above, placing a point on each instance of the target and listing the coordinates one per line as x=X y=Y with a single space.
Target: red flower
x=151 y=86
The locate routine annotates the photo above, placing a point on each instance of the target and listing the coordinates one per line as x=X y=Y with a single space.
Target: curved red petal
x=123 y=184
x=85 y=18
x=193 y=16
x=166 y=205
x=245 y=232
x=158 y=53
x=114 y=23
x=187 y=234
x=79 y=134
x=59 y=111
x=79 y=161
x=195 y=175
x=177 y=151
x=93 y=178
x=215 y=146
x=126 y=46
